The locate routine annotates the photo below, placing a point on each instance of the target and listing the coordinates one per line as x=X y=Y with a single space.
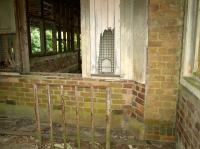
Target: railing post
x=92 y=117
x=63 y=117
x=108 y=117
x=77 y=118
x=50 y=115
x=37 y=116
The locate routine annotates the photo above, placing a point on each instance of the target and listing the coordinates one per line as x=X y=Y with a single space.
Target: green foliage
x=35 y=39
x=49 y=40
x=75 y=41
x=197 y=73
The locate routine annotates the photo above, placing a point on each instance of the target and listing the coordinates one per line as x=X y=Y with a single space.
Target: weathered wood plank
x=22 y=34
x=85 y=33
x=117 y=38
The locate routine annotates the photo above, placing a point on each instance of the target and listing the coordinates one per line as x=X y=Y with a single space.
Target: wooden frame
x=66 y=11
x=131 y=37
x=189 y=48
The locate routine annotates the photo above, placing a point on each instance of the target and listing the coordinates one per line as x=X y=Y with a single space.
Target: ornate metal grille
x=106 y=52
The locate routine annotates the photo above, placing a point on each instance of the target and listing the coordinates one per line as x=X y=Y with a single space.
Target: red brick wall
x=188 y=120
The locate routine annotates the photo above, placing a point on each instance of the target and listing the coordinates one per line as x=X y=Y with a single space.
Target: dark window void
x=7 y=52
x=106 y=52
x=54 y=35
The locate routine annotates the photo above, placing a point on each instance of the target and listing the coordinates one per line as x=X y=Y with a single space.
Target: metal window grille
x=106 y=52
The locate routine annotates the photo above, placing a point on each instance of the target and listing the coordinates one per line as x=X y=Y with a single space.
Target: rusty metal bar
x=63 y=118
x=64 y=121
x=77 y=118
x=108 y=117
x=50 y=115
x=37 y=115
x=92 y=118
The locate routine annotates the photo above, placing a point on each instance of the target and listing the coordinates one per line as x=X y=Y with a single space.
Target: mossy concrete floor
x=17 y=131
x=29 y=142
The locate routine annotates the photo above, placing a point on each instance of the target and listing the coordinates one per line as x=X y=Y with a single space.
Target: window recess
x=190 y=72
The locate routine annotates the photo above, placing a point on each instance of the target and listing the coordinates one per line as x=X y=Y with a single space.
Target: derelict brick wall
x=127 y=96
x=188 y=120
x=164 y=54
x=65 y=62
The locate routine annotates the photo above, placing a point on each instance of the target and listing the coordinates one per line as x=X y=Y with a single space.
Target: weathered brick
x=12 y=102
x=118 y=101
x=141 y=95
x=116 y=96
x=140 y=101
x=127 y=85
x=134 y=92
x=115 y=85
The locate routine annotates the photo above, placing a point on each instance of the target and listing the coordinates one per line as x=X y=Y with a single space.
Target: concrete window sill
x=9 y=74
x=192 y=84
x=106 y=76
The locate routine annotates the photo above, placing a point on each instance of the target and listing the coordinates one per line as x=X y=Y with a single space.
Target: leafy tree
x=35 y=39
x=49 y=40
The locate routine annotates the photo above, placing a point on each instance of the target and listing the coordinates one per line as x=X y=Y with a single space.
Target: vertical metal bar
x=63 y=117
x=92 y=117
x=37 y=116
x=50 y=115
x=77 y=117
x=108 y=117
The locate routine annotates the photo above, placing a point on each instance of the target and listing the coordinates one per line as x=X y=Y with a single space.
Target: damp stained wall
x=7 y=23
x=129 y=19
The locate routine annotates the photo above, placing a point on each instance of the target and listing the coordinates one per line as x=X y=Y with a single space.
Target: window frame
x=65 y=45
x=197 y=44
x=189 y=55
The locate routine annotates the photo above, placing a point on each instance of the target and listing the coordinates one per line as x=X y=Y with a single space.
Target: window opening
x=106 y=52
x=49 y=40
x=35 y=39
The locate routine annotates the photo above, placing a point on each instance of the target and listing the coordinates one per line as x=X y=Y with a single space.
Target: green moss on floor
x=120 y=125
x=193 y=81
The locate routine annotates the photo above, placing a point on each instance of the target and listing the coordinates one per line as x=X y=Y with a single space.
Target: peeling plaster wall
x=134 y=38
x=130 y=39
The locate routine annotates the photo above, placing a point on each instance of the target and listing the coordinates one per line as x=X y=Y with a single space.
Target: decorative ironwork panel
x=106 y=52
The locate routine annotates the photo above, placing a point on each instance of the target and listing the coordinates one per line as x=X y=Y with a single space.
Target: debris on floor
x=20 y=134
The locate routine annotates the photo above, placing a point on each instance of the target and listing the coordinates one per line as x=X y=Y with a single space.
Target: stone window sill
x=47 y=74
x=9 y=73
x=192 y=84
x=106 y=76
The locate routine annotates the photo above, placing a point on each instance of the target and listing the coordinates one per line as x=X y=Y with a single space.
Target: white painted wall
x=129 y=18
x=85 y=38
x=104 y=14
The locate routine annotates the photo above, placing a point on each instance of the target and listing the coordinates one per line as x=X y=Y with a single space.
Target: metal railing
x=64 y=118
